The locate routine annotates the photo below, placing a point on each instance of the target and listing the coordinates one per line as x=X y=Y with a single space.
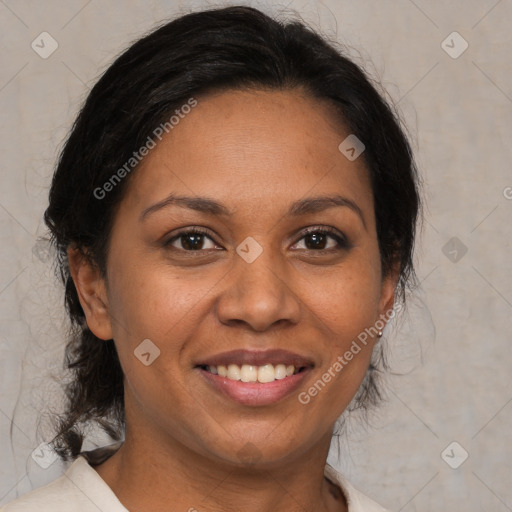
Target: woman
x=235 y=214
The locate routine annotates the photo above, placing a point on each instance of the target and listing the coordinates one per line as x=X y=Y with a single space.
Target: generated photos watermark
x=133 y=161
x=362 y=339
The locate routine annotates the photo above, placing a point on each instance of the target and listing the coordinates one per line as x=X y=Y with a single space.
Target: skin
x=255 y=152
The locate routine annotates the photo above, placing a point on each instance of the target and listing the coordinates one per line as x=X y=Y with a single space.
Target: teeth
x=267 y=373
x=251 y=373
x=234 y=372
x=280 y=370
x=248 y=373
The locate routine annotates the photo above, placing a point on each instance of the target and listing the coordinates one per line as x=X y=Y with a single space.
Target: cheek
x=149 y=302
x=346 y=301
x=344 y=307
x=344 y=311
x=146 y=303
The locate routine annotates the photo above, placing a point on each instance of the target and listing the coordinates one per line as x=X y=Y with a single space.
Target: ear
x=387 y=292
x=92 y=293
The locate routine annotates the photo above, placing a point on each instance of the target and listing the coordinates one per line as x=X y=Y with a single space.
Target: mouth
x=251 y=373
x=255 y=378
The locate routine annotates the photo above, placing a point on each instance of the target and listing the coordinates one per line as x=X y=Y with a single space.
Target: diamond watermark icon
x=351 y=147
x=42 y=250
x=44 y=455
x=44 y=45
x=454 y=249
x=454 y=45
x=146 y=352
x=454 y=455
x=249 y=249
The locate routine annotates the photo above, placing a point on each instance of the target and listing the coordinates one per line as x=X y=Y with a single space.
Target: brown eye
x=192 y=240
x=324 y=239
x=317 y=240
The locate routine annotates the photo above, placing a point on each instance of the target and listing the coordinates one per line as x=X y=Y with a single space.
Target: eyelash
x=333 y=233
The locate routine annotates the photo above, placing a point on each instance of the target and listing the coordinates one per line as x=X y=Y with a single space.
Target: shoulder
x=56 y=495
x=79 y=489
x=356 y=500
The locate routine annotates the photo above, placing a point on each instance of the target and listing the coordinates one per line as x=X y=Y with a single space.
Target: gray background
x=459 y=115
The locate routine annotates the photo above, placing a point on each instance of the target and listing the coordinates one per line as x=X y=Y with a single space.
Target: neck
x=150 y=473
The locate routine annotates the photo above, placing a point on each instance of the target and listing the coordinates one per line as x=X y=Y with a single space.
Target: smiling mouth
x=251 y=373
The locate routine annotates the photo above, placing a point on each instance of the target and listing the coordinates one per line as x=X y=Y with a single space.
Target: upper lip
x=257 y=358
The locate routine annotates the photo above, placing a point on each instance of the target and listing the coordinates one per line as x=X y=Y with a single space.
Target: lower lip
x=255 y=393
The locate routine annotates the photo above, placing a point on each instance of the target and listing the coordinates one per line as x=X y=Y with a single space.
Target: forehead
x=270 y=146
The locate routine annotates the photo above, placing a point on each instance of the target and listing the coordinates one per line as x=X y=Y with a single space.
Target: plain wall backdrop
x=457 y=105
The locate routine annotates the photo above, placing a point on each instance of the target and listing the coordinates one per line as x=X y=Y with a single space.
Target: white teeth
x=248 y=373
x=266 y=373
x=251 y=373
x=280 y=371
x=234 y=372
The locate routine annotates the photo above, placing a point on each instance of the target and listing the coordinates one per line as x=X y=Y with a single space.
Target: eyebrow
x=210 y=206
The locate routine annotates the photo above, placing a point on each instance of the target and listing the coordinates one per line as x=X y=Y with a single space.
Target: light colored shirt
x=81 y=489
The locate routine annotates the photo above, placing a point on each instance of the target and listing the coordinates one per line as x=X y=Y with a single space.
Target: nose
x=258 y=295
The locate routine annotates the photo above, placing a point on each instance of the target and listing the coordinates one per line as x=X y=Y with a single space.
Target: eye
x=317 y=239
x=191 y=240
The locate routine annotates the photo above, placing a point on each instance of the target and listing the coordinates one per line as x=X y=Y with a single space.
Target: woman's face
x=257 y=168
